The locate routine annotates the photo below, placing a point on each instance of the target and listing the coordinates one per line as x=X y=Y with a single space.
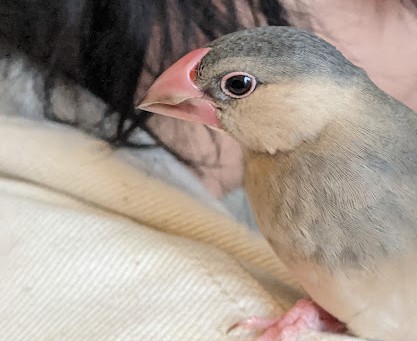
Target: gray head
x=272 y=87
x=273 y=54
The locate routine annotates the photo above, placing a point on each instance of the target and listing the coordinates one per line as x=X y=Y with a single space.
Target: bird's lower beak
x=175 y=94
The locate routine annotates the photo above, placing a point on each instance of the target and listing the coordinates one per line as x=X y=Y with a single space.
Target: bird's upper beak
x=175 y=94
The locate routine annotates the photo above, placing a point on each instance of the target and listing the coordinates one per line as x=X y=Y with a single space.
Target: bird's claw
x=305 y=315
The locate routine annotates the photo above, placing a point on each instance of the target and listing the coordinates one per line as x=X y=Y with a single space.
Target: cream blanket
x=93 y=249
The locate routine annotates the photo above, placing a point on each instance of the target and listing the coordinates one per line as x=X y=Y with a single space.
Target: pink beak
x=175 y=94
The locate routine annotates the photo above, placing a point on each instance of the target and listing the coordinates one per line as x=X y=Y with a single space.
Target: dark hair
x=102 y=44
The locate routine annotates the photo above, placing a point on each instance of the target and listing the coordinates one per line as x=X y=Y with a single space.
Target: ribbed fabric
x=93 y=249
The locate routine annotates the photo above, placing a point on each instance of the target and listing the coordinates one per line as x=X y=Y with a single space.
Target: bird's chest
x=316 y=209
x=284 y=207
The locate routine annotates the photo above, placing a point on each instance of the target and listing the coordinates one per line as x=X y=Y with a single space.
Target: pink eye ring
x=238 y=84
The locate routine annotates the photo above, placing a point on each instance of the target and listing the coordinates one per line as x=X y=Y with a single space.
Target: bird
x=330 y=169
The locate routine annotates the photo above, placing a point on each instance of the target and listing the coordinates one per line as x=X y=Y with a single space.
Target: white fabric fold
x=93 y=249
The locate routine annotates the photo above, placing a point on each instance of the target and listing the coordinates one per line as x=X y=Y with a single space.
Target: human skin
x=378 y=35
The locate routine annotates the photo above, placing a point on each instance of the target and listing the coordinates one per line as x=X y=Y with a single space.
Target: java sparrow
x=330 y=167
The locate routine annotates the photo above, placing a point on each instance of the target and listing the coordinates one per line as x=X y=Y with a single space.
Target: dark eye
x=238 y=84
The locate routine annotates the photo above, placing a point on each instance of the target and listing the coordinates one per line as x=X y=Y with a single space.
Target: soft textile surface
x=93 y=249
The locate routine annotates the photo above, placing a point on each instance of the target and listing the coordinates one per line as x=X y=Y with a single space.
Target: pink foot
x=305 y=315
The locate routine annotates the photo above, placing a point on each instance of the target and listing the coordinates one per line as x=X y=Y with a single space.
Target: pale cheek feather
x=279 y=117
